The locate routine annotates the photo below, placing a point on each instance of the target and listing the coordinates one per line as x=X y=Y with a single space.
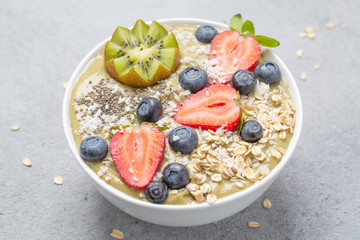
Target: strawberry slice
x=210 y=108
x=137 y=153
x=230 y=52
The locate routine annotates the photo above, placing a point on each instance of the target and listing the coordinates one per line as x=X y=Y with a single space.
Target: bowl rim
x=221 y=201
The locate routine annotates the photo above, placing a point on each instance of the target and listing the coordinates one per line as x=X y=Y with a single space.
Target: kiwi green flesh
x=147 y=70
x=166 y=57
x=156 y=32
x=145 y=65
x=122 y=65
x=122 y=37
x=141 y=53
x=113 y=50
x=169 y=41
x=140 y=30
x=143 y=48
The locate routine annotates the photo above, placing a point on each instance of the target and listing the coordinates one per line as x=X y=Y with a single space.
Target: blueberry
x=176 y=176
x=156 y=192
x=193 y=79
x=149 y=110
x=268 y=72
x=205 y=33
x=251 y=131
x=243 y=81
x=183 y=139
x=93 y=148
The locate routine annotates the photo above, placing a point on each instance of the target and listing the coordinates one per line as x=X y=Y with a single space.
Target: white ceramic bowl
x=184 y=215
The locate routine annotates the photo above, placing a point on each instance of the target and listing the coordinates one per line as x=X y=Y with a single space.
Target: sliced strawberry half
x=137 y=153
x=211 y=108
x=230 y=52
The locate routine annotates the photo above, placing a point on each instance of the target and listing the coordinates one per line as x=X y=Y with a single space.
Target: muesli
x=182 y=114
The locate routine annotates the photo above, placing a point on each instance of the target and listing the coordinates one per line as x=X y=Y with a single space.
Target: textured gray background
x=317 y=195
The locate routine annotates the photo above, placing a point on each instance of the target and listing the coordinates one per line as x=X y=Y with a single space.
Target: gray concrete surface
x=316 y=197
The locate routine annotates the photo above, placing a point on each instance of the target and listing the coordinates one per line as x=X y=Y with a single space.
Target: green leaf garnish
x=241 y=122
x=266 y=41
x=236 y=22
x=136 y=121
x=116 y=128
x=247 y=34
x=243 y=112
x=248 y=28
x=246 y=113
x=163 y=128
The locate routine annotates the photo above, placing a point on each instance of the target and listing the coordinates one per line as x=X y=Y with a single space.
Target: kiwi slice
x=142 y=56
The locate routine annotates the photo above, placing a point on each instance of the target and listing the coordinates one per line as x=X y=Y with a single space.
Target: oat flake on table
x=267 y=203
x=26 y=162
x=15 y=127
x=302 y=75
x=330 y=25
x=308 y=32
x=65 y=84
x=253 y=224
x=58 y=180
x=117 y=234
x=299 y=53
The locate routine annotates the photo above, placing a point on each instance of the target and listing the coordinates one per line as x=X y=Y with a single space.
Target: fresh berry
x=268 y=72
x=156 y=192
x=149 y=110
x=205 y=33
x=93 y=148
x=243 y=81
x=183 y=139
x=251 y=131
x=211 y=108
x=137 y=153
x=193 y=79
x=176 y=176
x=231 y=52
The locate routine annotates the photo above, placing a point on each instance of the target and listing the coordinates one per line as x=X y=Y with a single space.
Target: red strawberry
x=210 y=108
x=230 y=52
x=137 y=153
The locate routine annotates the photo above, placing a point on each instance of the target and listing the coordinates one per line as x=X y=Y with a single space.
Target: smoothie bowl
x=193 y=137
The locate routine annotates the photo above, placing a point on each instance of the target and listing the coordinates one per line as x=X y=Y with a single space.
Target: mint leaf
x=267 y=41
x=246 y=113
x=117 y=128
x=163 y=128
x=248 y=28
x=136 y=120
x=236 y=22
x=241 y=122
x=247 y=34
